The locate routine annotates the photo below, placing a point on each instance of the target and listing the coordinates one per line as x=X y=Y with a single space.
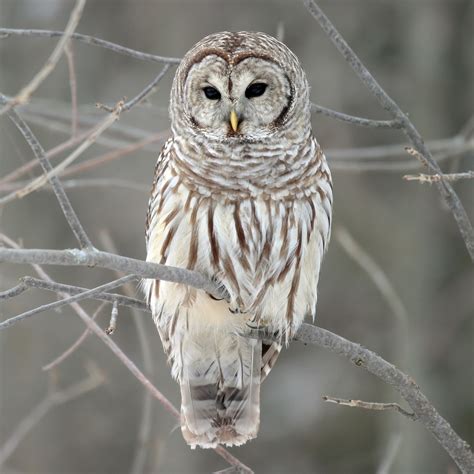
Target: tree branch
x=425 y=412
x=6 y=32
x=407 y=126
x=308 y=334
x=61 y=196
x=370 y=405
x=363 y=122
x=97 y=258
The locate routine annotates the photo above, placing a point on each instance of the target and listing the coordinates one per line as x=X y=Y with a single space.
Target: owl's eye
x=211 y=93
x=255 y=90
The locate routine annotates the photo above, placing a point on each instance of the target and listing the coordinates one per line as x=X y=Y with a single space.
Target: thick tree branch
x=97 y=258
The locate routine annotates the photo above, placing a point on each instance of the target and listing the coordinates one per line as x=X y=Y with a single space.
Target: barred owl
x=241 y=193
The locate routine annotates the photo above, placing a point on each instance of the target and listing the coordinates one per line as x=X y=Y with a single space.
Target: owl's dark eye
x=211 y=93
x=255 y=90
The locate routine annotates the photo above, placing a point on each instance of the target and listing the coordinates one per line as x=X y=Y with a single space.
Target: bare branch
x=42 y=180
x=130 y=365
x=425 y=412
x=71 y=349
x=435 y=178
x=394 y=110
x=6 y=32
x=53 y=152
x=24 y=95
x=145 y=428
x=143 y=94
x=370 y=405
x=363 y=122
x=375 y=272
x=70 y=299
x=96 y=258
x=308 y=334
x=390 y=453
x=113 y=319
x=61 y=196
x=52 y=400
x=72 y=86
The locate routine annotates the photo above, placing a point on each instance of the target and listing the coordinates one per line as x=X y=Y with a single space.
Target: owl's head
x=239 y=86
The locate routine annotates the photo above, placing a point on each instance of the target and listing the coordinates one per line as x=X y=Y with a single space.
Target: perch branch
x=446 y=190
x=96 y=258
x=308 y=334
x=169 y=407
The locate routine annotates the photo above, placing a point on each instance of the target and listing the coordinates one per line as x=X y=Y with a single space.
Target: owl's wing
x=160 y=167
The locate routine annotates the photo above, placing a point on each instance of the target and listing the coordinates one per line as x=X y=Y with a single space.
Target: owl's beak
x=234 y=120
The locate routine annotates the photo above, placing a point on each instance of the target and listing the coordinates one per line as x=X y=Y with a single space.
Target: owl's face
x=238 y=86
x=245 y=99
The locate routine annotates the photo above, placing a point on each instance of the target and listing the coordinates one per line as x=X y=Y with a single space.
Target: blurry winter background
x=421 y=51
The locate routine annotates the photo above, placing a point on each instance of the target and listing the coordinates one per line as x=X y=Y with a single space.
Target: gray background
x=422 y=53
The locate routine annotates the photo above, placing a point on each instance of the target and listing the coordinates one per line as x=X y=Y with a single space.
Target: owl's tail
x=220 y=389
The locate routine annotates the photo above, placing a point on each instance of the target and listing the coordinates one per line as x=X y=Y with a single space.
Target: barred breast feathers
x=261 y=228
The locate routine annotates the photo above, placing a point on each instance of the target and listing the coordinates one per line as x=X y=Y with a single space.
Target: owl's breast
x=266 y=252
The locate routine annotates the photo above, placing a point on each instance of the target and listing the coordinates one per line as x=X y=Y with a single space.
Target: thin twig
x=72 y=348
x=375 y=272
x=72 y=86
x=51 y=400
x=24 y=95
x=363 y=122
x=390 y=453
x=370 y=405
x=70 y=299
x=61 y=196
x=52 y=153
x=86 y=183
x=6 y=32
x=143 y=94
x=113 y=155
x=113 y=319
x=42 y=180
x=435 y=178
x=146 y=418
x=50 y=285
x=446 y=190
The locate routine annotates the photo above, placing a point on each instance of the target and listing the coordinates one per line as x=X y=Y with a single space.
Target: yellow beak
x=234 y=120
